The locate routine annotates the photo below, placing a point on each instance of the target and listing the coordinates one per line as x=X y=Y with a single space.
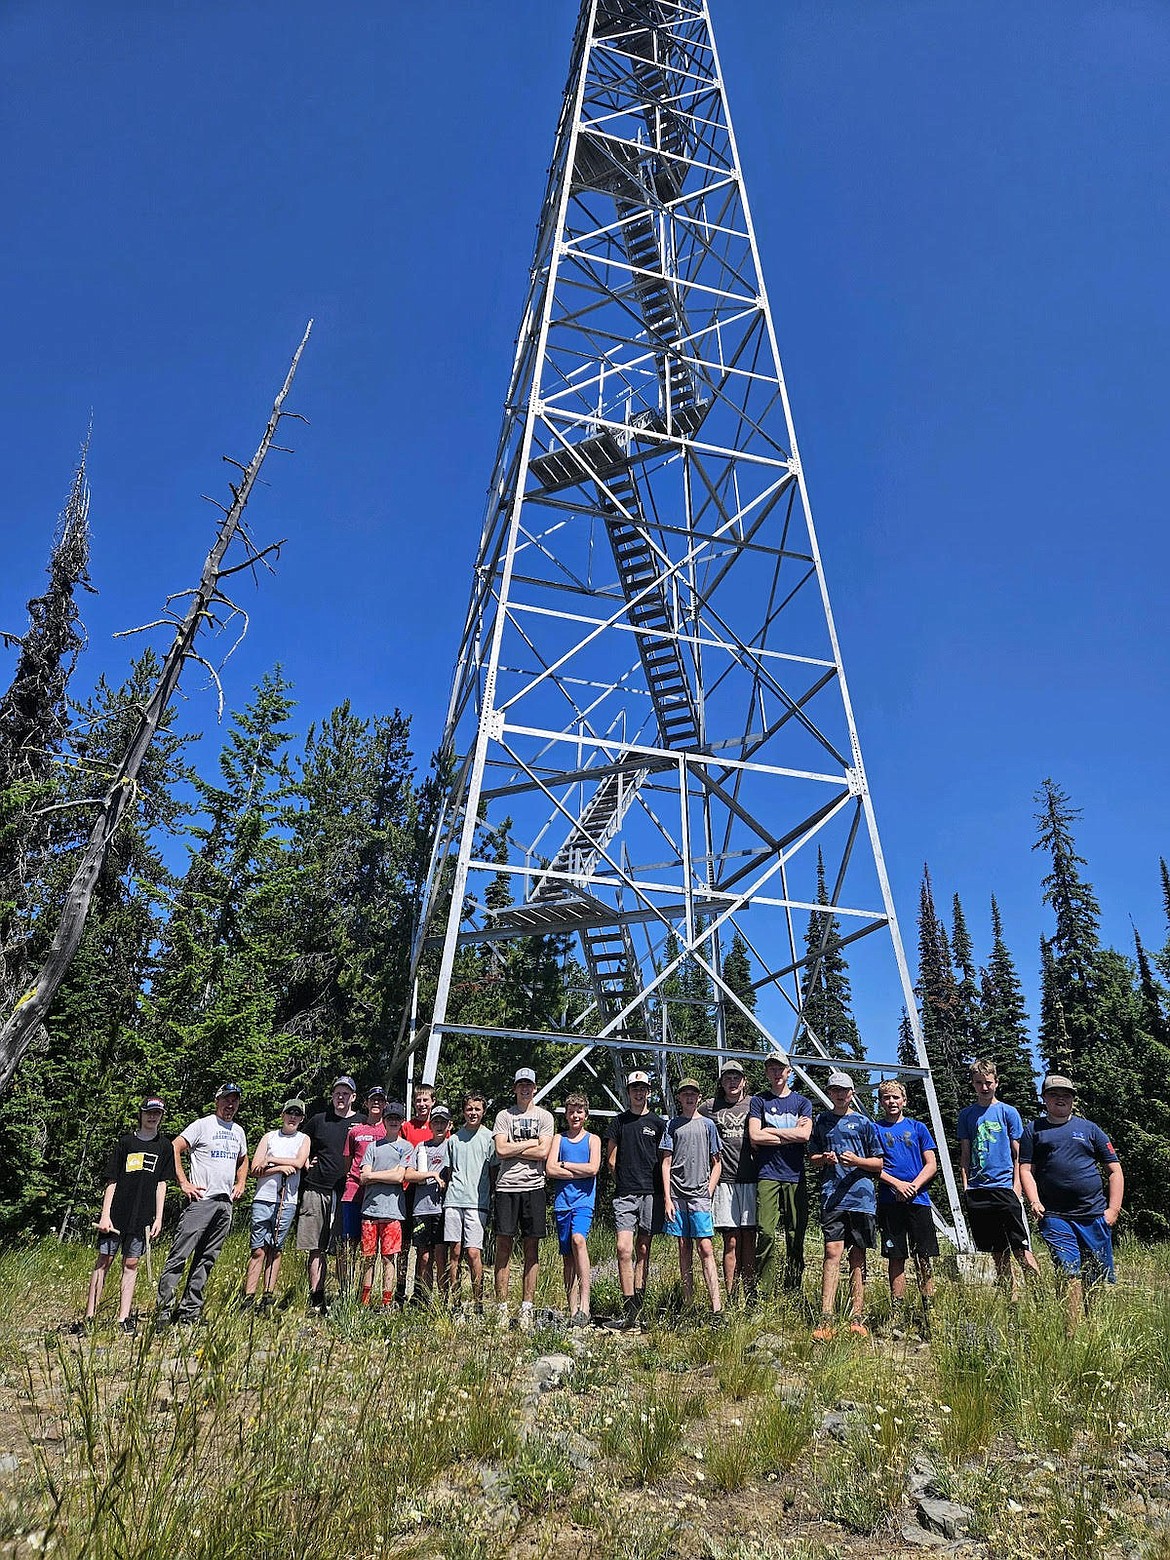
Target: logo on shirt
x=143 y=1161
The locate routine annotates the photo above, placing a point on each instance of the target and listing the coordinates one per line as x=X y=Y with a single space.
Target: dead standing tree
x=207 y=600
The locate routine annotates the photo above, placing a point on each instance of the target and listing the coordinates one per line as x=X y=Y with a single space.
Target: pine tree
x=827 y=996
x=741 y=1034
x=1055 y=1046
x=1076 y=942
x=968 y=1014
x=916 y=1104
x=937 y=993
x=1005 y=1022
x=1162 y=958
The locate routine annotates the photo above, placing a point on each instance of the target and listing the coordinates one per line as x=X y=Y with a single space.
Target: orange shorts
x=381 y=1237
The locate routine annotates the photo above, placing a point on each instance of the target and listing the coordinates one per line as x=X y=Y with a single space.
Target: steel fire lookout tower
x=649 y=684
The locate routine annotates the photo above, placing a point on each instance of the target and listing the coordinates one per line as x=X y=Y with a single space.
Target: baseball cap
x=524 y=1075
x=638 y=1077
x=777 y=1055
x=1057 y=1081
x=840 y=1080
x=731 y=1067
x=346 y=1080
x=376 y=1093
x=397 y=1110
x=228 y=1088
x=293 y=1105
x=151 y=1102
x=689 y=1083
x=440 y=1113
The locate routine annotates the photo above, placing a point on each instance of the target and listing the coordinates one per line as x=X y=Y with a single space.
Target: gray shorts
x=316 y=1219
x=642 y=1212
x=463 y=1227
x=734 y=1205
x=109 y=1245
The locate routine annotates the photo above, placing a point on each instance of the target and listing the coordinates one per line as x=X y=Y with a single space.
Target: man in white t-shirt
x=523 y=1136
x=218 y=1152
x=277 y=1165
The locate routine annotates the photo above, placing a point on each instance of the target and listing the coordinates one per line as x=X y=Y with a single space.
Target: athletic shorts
x=381 y=1237
x=734 y=1205
x=271 y=1223
x=692 y=1220
x=316 y=1220
x=641 y=1211
x=570 y=1222
x=129 y=1245
x=858 y=1230
x=521 y=1213
x=464 y=1227
x=351 y=1219
x=907 y=1227
x=996 y=1217
x=1080 y=1246
x=427 y=1231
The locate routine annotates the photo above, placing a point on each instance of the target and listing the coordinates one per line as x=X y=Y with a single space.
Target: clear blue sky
x=963 y=217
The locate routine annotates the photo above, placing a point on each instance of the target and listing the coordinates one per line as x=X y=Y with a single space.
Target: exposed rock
x=945 y=1516
x=550 y=1371
x=9 y=1463
x=767 y=1343
x=922 y=1538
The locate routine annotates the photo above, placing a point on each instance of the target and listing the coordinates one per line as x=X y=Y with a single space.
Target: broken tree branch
x=33 y=1006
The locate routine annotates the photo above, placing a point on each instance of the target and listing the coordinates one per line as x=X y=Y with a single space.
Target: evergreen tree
x=827 y=997
x=968 y=1016
x=1076 y=942
x=1005 y=1022
x=1163 y=958
x=1055 y=1045
x=916 y=1104
x=739 y=1031
x=938 y=1004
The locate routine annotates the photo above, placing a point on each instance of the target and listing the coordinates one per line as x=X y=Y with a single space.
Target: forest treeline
x=253 y=921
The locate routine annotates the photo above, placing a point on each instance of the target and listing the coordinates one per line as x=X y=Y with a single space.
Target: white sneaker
x=502 y=1314
x=526 y=1316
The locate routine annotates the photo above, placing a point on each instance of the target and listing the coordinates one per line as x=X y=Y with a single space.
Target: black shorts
x=907 y=1227
x=996 y=1217
x=521 y=1213
x=427 y=1231
x=855 y=1229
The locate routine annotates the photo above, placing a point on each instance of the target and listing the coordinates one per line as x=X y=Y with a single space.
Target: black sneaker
x=247 y=1303
x=318 y=1302
x=129 y=1326
x=267 y=1304
x=83 y=1328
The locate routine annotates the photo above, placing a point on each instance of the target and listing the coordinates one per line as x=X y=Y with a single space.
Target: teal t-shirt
x=469 y=1155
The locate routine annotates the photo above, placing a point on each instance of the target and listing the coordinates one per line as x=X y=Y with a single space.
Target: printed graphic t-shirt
x=991 y=1131
x=846 y=1188
x=216 y=1148
x=780 y=1161
x=903 y=1145
x=136 y=1165
x=357 y=1140
x=522 y=1126
x=637 y=1139
x=428 y=1195
x=739 y=1160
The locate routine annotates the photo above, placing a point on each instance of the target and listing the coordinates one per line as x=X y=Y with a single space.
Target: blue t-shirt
x=991 y=1130
x=903 y=1145
x=579 y=1193
x=1066 y=1163
x=782 y=1161
x=846 y=1188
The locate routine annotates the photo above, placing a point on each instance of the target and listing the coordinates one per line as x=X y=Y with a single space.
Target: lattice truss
x=649 y=684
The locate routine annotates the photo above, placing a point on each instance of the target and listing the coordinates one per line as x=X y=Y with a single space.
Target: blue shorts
x=570 y=1222
x=690 y=1223
x=268 y=1230
x=351 y=1220
x=1080 y=1246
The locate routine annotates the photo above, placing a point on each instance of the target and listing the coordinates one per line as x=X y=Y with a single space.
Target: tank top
x=577 y=1193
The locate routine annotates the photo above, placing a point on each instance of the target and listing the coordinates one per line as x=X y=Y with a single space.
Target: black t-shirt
x=136 y=1165
x=327 y=1134
x=637 y=1139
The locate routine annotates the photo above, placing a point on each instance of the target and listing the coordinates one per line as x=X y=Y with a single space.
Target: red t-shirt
x=357 y=1141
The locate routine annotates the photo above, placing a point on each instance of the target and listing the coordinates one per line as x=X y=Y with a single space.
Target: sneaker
x=82 y=1328
x=247 y=1303
x=525 y=1320
x=825 y=1333
x=129 y=1326
x=858 y=1329
x=268 y=1304
x=502 y=1314
x=581 y=1319
x=718 y=1318
x=318 y=1302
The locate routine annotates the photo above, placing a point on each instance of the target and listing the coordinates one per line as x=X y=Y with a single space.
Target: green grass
x=423 y=1436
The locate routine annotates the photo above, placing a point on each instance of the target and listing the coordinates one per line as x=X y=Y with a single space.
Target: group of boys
x=734 y=1165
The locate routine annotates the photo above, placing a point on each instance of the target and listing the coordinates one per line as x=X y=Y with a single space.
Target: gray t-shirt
x=523 y=1126
x=468 y=1155
x=693 y=1145
x=383 y=1199
x=216 y=1149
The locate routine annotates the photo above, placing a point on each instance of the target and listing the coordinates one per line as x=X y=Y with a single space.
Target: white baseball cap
x=524 y=1075
x=638 y=1077
x=840 y=1080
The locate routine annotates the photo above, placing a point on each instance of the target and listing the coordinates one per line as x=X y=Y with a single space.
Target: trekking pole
x=149 y=1259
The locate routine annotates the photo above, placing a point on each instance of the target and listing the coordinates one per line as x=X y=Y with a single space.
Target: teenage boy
x=277 y=1164
x=847 y=1151
x=416 y=1129
x=905 y=1214
x=318 y=1226
x=989 y=1163
x=132 y=1208
x=523 y=1136
x=734 y=1206
x=364 y=1131
x=690 y=1173
x=427 y=1174
x=574 y=1160
x=381 y=1174
x=1062 y=1156
x=779 y=1126
x=632 y=1156
x=468 y=1158
x=218 y=1153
